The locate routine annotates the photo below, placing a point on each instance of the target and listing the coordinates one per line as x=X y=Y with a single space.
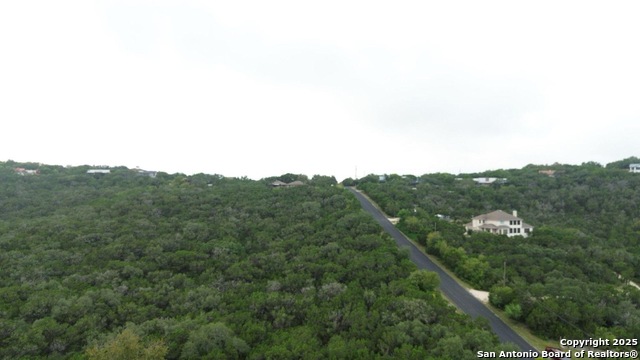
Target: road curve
x=451 y=289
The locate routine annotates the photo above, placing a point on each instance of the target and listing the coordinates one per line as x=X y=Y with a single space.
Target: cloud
x=261 y=88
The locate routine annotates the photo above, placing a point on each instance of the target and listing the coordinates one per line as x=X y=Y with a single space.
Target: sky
x=342 y=88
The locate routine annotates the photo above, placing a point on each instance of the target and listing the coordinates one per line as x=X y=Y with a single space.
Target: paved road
x=451 y=289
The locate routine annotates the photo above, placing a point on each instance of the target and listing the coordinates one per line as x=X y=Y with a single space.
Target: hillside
x=191 y=267
x=570 y=278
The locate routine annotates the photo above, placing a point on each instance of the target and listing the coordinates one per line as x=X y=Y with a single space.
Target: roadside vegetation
x=570 y=279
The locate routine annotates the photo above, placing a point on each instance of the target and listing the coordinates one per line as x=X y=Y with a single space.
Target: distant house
x=500 y=222
x=23 y=171
x=550 y=173
x=489 y=180
x=151 y=174
x=279 y=183
x=634 y=168
x=98 y=171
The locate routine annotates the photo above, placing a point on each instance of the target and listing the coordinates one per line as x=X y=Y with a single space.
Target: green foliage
x=424 y=280
x=623 y=164
x=514 y=311
x=205 y=266
x=321 y=180
x=127 y=346
x=214 y=341
x=500 y=296
x=569 y=276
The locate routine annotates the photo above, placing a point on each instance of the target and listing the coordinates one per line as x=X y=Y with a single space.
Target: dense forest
x=123 y=265
x=571 y=278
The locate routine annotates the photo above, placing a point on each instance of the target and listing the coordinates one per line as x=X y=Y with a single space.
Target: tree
x=323 y=180
x=514 y=311
x=500 y=296
x=424 y=280
x=214 y=341
x=127 y=345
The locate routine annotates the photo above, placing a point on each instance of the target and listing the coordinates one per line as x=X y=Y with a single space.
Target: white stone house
x=149 y=173
x=489 y=180
x=23 y=171
x=634 y=168
x=500 y=222
x=98 y=171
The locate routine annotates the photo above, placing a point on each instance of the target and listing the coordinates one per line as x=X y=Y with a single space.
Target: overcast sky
x=263 y=88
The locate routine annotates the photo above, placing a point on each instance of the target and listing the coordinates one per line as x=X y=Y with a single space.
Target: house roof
x=497 y=215
x=278 y=183
x=23 y=171
x=98 y=171
x=296 y=183
x=489 y=180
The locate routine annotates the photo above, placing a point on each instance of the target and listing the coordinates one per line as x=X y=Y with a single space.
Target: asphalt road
x=449 y=287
